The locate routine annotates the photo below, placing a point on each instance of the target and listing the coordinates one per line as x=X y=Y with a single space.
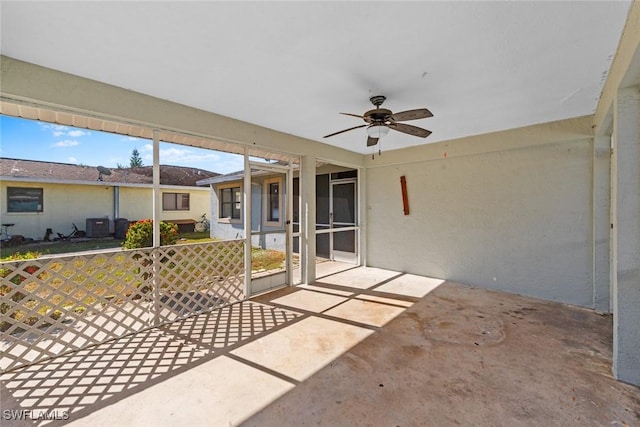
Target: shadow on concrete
x=362 y=346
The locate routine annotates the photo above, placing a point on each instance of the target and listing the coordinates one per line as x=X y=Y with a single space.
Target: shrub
x=4 y=272
x=20 y=256
x=140 y=234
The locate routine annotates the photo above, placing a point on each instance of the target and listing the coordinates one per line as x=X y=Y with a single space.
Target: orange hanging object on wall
x=405 y=198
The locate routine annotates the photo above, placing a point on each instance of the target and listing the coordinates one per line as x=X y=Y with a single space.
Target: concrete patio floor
x=363 y=347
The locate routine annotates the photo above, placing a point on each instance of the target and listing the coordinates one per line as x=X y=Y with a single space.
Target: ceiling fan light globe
x=377 y=131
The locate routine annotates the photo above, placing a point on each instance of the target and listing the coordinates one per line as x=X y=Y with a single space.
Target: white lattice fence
x=198 y=277
x=50 y=306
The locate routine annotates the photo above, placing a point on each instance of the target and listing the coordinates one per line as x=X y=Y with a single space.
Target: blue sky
x=33 y=140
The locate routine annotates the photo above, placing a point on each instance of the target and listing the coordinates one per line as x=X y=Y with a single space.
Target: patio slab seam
x=368 y=291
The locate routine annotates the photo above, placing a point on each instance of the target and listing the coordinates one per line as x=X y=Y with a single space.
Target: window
x=273 y=190
x=274 y=202
x=24 y=199
x=230 y=202
x=175 y=201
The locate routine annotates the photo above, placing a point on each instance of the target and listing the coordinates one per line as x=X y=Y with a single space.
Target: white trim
x=229 y=220
x=269 y=167
x=246 y=217
x=362 y=216
x=141 y=129
x=157 y=196
x=336 y=230
x=338 y=163
x=289 y=279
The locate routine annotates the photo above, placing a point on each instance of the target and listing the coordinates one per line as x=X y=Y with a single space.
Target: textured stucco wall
x=626 y=229
x=516 y=219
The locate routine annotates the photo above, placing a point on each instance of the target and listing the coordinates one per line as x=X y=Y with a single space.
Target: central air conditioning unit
x=97 y=227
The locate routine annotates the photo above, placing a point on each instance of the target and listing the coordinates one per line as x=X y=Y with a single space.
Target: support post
x=626 y=238
x=246 y=198
x=289 y=224
x=155 y=253
x=156 y=189
x=601 y=198
x=362 y=216
x=308 y=219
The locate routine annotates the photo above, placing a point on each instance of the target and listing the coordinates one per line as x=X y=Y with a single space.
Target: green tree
x=135 y=161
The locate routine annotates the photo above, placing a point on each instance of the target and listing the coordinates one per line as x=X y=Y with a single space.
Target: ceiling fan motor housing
x=383 y=118
x=378 y=116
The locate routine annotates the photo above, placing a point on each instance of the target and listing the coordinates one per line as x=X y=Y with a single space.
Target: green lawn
x=80 y=245
x=266 y=259
x=195 y=237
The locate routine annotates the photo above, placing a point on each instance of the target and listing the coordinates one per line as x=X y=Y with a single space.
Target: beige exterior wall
x=65 y=204
x=135 y=204
x=62 y=206
x=506 y=214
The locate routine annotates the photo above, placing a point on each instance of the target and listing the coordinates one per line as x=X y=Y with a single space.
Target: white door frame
x=287 y=173
x=336 y=255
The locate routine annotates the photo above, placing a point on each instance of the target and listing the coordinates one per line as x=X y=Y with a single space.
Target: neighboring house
x=336 y=207
x=36 y=195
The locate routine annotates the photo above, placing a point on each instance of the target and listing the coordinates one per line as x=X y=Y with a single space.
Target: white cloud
x=186 y=155
x=173 y=154
x=56 y=130
x=60 y=130
x=77 y=133
x=66 y=143
x=203 y=159
x=73 y=160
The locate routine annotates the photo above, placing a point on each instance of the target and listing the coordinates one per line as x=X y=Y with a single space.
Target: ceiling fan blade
x=372 y=141
x=403 y=116
x=346 y=130
x=353 y=115
x=409 y=129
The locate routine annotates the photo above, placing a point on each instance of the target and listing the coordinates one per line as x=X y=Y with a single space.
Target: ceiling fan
x=379 y=120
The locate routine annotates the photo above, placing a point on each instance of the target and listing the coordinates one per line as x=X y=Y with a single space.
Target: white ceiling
x=293 y=66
